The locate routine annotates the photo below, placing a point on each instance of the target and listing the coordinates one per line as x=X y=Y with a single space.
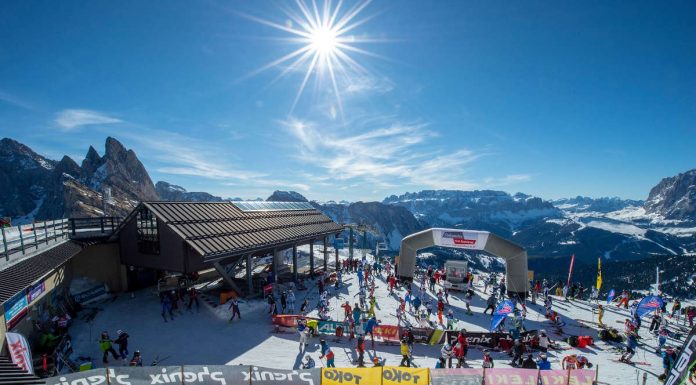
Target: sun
x=323 y=41
x=326 y=45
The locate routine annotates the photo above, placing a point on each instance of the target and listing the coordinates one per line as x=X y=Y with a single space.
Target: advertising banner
x=328 y=327
x=387 y=333
x=15 y=309
x=395 y=375
x=351 y=376
x=610 y=296
x=288 y=320
x=577 y=377
x=20 y=351
x=474 y=240
x=266 y=376
x=511 y=376
x=503 y=310
x=456 y=376
x=648 y=305
x=436 y=337
x=421 y=335
x=34 y=292
x=686 y=361
x=488 y=340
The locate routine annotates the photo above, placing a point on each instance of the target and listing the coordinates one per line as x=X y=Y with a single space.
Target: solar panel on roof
x=272 y=206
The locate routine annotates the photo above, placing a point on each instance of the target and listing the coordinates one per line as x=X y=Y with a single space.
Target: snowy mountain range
x=664 y=224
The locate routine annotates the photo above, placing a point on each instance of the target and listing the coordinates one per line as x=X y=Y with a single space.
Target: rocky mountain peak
x=68 y=166
x=286 y=196
x=174 y=193
x=674 y=197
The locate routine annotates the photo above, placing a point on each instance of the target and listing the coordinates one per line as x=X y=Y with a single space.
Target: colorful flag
x=503 y=310
x=649 y=304
x=599 y=273
x=611 y=296
x=570 y=272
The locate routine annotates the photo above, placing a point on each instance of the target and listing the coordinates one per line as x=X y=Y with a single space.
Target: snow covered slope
x=207 y=337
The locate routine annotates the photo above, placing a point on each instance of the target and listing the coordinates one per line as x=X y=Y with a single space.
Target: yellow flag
x=599 y=273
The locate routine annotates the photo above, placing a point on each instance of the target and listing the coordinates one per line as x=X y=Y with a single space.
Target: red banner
x=570 y=272
x=511 y=376
x=288 y=320
x=387 y=332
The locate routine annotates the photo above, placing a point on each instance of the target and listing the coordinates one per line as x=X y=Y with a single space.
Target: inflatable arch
x=515 y=256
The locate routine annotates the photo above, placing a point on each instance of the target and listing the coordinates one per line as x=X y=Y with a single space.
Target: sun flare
x=326 y=43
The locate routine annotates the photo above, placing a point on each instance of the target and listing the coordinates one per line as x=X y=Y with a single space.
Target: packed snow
x=206 y=337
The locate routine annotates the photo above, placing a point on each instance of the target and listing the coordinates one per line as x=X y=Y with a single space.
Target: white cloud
x=387 y=156
x=70 y=119
x=15 y=101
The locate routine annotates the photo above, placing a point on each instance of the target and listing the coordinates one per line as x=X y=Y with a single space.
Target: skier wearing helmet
x=446 y=354
x=487 y=359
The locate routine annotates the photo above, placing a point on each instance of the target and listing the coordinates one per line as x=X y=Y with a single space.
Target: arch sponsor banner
x=456 y=377
x=560 y=377
x=396 y=375
x=161 y=375
x=460 y=239
x=351 y=376
x=512 y=376
x=329 y=327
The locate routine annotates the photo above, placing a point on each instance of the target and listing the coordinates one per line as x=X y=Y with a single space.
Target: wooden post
x=596 y=374
x=538 y=375
x=101 y=224
x=294 y=263
x=568 y=378
x=338 y=266
x=311 y=259
x=21 y=237
x=326 y=256
x=4 y=244
x=250 y=285
x=483 y=378
x=46 y=231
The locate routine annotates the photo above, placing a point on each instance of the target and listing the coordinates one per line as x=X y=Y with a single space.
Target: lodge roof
x=221 y=229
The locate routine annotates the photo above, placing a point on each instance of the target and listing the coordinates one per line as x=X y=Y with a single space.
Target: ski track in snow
x=206 y=337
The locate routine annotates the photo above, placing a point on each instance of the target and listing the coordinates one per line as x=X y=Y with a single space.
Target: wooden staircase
x=11 y=374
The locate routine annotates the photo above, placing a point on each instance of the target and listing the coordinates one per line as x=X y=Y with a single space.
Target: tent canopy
x=515 y=256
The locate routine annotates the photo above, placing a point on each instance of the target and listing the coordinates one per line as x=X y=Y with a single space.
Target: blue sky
x=553 y=99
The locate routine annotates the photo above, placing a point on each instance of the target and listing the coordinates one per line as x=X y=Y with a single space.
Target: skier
x=291 y=301
x=416 y=305
x=326 y=352
x=516 y=353
x=544 y=341
x=429 y=309
x=407 y=299
x=661 y=338
x=459 y=354
x=624 y=299
x=308 y=363
x=490 y=304
x=392 y=283
x=105 y=344
x=669 y=357
x=271 y=304
x=346 y=309
x=529 y=362
x=543 y=362
x=234 y=305
x=373 y=303
x=303 y=330
x=360 y=348
x=193 y=297
x=446 y=354
x=487 y=359
x=356 y=314
x=600 y=314
x=631 y=344
x=405 y=353
x=304 y=307
x=656 y=321
x=440 y=311
x=450 y=319
x=122 y=342
x=501 y=288
x=166 y=302
x=369 y=329
x=137 y=359
x=676 y=307
x=467 y=302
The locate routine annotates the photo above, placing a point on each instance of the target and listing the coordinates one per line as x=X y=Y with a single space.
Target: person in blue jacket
x=543 y=363
x=370 y=327
x=631 y=345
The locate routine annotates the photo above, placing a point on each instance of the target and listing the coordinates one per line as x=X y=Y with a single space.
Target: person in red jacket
x=440 y=310
x=392 y=283
x=348 y=311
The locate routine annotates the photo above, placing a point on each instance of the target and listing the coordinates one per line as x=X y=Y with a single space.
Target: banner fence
x=256 y=375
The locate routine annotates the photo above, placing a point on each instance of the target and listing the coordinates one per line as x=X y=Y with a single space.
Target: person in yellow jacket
x=405 y=361
x=371 y=312
x=600 y=311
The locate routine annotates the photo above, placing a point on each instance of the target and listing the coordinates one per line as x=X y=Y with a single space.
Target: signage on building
x=34 y=292
x=15 y=309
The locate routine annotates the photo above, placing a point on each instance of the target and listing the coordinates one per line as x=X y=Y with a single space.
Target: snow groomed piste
x=254 y=375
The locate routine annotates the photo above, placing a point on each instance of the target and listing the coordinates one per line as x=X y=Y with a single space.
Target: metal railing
x=92 y=227
x=22 y=239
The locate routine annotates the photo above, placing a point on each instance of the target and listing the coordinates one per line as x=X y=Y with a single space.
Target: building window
x=148 y=234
